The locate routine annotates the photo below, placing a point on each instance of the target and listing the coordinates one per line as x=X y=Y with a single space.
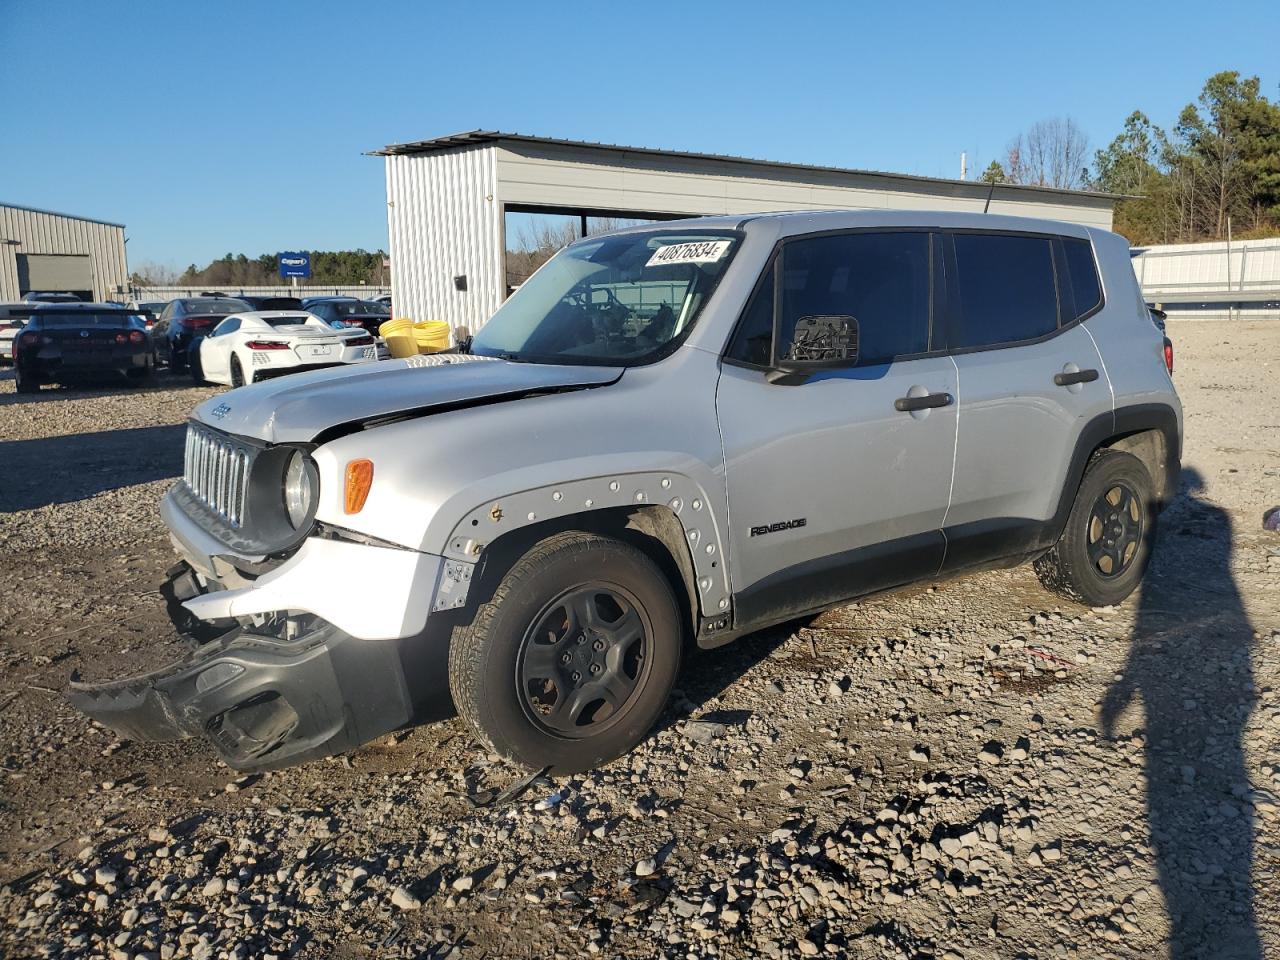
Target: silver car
x=671 y=435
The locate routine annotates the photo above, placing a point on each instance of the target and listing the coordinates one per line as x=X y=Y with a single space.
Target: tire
x=195 y=366
x=25 y=383
x=237 y=372
x=177 y=359
x=501 y=674
x=1104 y=549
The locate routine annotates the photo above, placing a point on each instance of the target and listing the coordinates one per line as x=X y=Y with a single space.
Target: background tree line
x=337 y=267
x=1218 y=164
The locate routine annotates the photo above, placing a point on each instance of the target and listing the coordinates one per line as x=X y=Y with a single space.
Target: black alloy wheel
x=569 y=654
x=582 y=660
x=1115 y=530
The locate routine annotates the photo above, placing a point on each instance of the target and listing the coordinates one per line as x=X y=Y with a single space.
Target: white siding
x=38 y=232
x=621 y=181
x=1203 y=272
x=444 y=220
x=445 y=207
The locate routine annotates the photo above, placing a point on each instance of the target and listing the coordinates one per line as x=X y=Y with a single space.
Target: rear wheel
x=25 y=382
x=237 y=372
x=1104 y=549
x=177 y=358
x=195 y=365
x=570 y=662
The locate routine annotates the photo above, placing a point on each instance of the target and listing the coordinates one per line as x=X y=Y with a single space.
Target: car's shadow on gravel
x=1190 y=665
x=37 y=473
x=162 y=382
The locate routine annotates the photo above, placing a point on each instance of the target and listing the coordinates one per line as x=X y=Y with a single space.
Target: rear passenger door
x=1030 y=378
x=834 y=488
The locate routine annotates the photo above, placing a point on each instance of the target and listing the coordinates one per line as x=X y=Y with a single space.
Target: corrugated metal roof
x=473 y=138
x=55 y=213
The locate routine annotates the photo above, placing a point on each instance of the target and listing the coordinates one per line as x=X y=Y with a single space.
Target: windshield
x=222 y=305
x=83 y=318
x=615 y=300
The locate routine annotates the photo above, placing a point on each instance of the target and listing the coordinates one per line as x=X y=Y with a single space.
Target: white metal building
x=49 y=252
x=1212 y=281
x=447 y=201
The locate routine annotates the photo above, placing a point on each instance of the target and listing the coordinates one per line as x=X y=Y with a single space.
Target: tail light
x=199 y=323
x=28 y=339
x=267 y=345
x=360 y=341
x=122 y=338
x=137 y=336
x=1168 y=355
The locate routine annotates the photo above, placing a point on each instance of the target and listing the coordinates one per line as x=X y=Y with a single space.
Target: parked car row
x=215 y=337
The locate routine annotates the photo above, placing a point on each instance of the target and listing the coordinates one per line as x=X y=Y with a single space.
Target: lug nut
x=595 y=668
x=598 y=645
x=564 y=658
x=575 y=676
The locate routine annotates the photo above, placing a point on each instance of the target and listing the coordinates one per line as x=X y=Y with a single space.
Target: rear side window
x=879 y=279
x=1004 y=290
x=1085 y=288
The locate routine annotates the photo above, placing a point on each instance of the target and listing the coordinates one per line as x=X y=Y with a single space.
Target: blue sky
x=236 y=126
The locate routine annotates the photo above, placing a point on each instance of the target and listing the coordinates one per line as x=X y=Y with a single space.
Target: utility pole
x=964 y=165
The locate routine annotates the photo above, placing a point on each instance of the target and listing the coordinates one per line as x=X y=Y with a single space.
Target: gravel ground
x=971 y=769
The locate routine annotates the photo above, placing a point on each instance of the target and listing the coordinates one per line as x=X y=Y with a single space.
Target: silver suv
x=673 y=434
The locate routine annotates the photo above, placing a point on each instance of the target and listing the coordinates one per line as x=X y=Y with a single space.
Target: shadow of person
x=1190 y=665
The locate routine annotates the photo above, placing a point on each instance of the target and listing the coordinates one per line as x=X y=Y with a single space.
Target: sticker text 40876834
x=701 y=251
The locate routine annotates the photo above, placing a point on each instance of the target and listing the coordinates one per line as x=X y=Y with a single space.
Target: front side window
x=879 y=279
x=1004 y=290
x=613 y=300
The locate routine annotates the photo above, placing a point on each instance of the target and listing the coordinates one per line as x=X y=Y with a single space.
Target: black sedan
x=189 y=319
x=348 y=311
x=65 y=342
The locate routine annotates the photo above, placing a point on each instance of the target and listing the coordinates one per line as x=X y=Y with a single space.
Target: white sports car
x=247 y=347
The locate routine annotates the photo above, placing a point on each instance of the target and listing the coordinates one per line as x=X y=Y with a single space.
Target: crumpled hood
x=299 y=407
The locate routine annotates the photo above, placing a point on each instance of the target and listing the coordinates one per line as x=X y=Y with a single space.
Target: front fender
x=498 y=515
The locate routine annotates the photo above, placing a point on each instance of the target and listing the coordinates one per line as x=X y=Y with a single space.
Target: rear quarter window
x=1004 y=290
x=1086 y=290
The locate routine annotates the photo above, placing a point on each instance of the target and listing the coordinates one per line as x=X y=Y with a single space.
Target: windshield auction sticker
x=703 y=251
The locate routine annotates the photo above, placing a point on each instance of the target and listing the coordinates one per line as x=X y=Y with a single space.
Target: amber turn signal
x=359 y=479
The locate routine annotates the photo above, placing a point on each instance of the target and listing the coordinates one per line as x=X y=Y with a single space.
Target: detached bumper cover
x=265 y=703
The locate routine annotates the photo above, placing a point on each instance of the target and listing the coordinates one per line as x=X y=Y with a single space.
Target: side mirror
x=818 y=343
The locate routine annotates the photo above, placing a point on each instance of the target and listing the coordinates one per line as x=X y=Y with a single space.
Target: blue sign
x=294 y=264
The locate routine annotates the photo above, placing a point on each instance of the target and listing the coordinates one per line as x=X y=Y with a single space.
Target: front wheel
x=1103 y=551
x=570 y=662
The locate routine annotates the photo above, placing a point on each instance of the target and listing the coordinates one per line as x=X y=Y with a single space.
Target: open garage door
x=55 y=273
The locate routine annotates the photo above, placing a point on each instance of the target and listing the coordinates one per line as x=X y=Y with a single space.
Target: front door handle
x=1067 y=378
x=926 y=402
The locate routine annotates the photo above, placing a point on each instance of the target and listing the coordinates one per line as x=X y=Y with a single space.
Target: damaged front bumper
x=298 y=659
x=265 y=702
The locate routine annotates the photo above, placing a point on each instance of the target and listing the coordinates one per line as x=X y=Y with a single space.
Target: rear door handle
x=928 y=401
x=1066 y=379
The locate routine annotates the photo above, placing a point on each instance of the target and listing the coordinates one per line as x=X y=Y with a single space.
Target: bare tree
x=1053 y=153
x=152 y=274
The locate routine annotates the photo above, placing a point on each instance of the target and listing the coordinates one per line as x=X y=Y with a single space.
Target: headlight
x=299 y=489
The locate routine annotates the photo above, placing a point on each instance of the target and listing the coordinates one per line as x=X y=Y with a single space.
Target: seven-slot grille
x=215 y=470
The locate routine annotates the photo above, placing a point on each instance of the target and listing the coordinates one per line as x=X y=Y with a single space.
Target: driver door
x=834 y=490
